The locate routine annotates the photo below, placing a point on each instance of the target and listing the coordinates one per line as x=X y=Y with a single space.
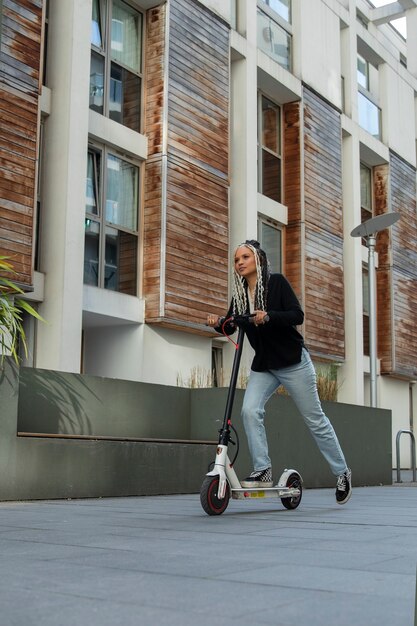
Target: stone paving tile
x=161 y=560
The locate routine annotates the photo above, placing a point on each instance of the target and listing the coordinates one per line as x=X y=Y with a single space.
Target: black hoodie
x=277 y=343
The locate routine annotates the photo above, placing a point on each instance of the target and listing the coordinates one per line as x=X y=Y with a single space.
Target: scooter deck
x=269 y=492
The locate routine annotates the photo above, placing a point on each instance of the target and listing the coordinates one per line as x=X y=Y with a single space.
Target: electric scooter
x=222 y=482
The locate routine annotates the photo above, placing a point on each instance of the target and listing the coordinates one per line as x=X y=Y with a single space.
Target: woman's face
x=245 y=264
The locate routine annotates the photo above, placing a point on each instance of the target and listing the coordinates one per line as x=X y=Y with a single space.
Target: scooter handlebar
x=245 y=317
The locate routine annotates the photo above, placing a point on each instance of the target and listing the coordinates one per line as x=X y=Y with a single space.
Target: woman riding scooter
x=280 y=358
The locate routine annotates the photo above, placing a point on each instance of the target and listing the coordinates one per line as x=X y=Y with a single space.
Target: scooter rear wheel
x=208 y=496
x=293 y=480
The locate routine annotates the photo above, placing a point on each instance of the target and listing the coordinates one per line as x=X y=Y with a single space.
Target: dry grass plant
x=327 y=383
x=202 y=378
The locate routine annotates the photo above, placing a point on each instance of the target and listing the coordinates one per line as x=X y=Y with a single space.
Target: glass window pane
x=270 y=126
x=271 y=176
x=366 y=187
x=363 y=72
x=365 y=291
x=120 y=261
x=97 y=82
x=96 y=25
x=274 y=40
x=282 y=7
x=111 y=278
x=126 y=29
x=92 y=190
x=270 y=239
x=91 y=252
x=122 y=193
x=124 y=105
x=369 y=115
x=115 y=95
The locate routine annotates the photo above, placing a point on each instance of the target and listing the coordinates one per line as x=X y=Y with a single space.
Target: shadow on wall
x=61 y=400
x=65 y=403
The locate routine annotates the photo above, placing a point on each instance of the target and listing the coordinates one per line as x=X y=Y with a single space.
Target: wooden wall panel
x=324 y=291
x=20 y=60
x=186 y=198
x=383 y=274
x=152 y=225
x=154 y=79
x=404 y=267
x=292 y=196
x=198 y=126
x=197 y=263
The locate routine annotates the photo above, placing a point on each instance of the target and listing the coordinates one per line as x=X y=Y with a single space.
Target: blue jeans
x=300 y=382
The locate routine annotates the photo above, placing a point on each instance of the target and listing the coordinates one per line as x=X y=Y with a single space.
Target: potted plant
x=12 y=307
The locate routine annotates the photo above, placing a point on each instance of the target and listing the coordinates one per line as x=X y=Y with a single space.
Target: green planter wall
x=364 y=434
x=67 y=435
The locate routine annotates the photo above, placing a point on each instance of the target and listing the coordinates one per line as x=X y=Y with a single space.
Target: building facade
x=141 y=141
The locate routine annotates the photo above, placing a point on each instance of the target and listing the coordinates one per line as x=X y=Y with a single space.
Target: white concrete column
x=348 y=53
x=351 y=374
x=412 y=41
x=63 y=185
x=243 y=188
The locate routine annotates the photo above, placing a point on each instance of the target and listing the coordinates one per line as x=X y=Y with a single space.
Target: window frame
x=275 y=225
x=104 y=52
x=100 y=174
x=360 y=58
x=263 y=8
x=368 y=209
x=261 y=147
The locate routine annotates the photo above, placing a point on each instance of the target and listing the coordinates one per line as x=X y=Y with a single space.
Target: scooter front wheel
x=293 y=481
x=208 y=496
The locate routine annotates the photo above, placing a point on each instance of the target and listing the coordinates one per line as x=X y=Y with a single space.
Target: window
x=116 y=62
x=365 y=310
x=111 y=223
x=274 y=31
x=274 y=40
x=38 y=213
x=269 y=148
x=369 y=113
x=366 y=214
x=45 y=42
x=217 y=364
x=363 y=72
x=270 y=238
x=366 y=193
x=282 y=7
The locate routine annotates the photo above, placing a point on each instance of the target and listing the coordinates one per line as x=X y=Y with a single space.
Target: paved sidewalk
x=162 y=561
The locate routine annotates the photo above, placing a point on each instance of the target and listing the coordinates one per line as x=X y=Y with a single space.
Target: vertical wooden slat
x=403 y=236
x=292 y=195
x=19 y=132
x=324 y=289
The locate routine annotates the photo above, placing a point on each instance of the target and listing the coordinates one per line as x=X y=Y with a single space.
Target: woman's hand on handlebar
x=261 y=317
x=213 y=320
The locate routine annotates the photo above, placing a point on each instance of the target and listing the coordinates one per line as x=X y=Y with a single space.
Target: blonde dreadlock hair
x=240 y=285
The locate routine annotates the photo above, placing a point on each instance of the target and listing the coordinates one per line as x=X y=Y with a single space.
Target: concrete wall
x=42 y=468
x=364 y=434
x=68 y=406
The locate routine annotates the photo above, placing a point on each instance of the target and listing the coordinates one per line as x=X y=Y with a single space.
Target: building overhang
x=393 y=11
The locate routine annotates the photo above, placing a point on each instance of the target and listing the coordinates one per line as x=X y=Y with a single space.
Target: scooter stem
x=232 y=386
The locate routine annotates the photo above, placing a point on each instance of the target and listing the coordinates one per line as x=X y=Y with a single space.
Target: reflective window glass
x=122 y=192
x=96 y=25
x=97 y=82
x=126 y=29
x=91 y=252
